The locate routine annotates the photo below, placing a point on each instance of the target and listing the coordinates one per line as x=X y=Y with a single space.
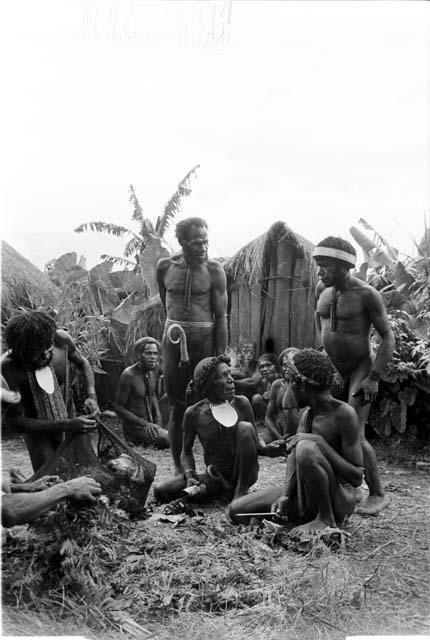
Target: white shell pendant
x=225 y=414
x=45 y=379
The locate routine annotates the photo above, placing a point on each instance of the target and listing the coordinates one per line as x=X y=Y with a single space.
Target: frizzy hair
x=183 y=227
x=204 y=374
x=29 y=334
x=315 y=366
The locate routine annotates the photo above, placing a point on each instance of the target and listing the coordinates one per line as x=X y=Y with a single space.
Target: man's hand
x=279 y=509
x=193 y=482
x=368 y=389
x=91 y=405
x=83 y=488
x=293 y=441
x=150 y=429
x=276 y=448
x=81 y=424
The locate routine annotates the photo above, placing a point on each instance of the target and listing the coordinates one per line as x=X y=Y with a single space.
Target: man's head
x=246 y=351
x=147 y=351
x=267 y=365
x=212 y=379
x=313 y=373
x=334 y=257
x=30 y=337
x=286 y=362
x=192 y=234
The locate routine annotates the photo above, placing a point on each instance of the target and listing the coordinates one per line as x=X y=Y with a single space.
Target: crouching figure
x=325 y=462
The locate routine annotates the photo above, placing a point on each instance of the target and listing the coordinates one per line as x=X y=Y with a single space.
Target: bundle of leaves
x=404 y=394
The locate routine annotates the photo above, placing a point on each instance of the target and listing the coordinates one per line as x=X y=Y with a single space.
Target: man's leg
x=245 y=471
x=41 y=447
x=257 y=502
x=174 y=488
x=377 y=500
x=327 y=502
x=259 y=406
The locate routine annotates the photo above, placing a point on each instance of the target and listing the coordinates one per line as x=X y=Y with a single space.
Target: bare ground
x=379 y=583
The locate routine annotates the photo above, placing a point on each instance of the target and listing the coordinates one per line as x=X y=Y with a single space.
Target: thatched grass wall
x=23 y=284
x=271 y=284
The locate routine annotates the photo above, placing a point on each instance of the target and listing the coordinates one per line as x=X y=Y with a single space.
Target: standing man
x=347 y=309
x=136 y=400
x=37 y=366
x=194 y=295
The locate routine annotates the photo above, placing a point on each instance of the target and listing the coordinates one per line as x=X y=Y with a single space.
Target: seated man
x=266 y=374
x=324 y=465
x=282 y=415
x=22 y=503
x=225 y=426
x=37 y=366
x=245 y=373
x=136 y=400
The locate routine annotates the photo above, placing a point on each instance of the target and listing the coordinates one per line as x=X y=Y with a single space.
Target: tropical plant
x=145 y=244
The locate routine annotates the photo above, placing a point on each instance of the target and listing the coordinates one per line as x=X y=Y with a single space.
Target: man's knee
x=307 y=452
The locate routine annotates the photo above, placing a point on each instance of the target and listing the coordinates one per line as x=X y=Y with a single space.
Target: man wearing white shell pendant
x=224 y=423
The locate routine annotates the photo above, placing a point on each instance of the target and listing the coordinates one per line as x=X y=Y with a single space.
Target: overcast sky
x=315 y=113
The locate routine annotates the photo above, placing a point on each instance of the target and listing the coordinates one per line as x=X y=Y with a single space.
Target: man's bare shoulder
x=129 y=372
x=215 y=267
x=62 y=339
x=241 y=402
x=344 y=413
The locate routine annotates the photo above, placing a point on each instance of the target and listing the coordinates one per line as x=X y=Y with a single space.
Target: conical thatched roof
x=23 y=284
x=271 y=283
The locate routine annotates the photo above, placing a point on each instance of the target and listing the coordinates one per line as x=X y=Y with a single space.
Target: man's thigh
x=355 y=379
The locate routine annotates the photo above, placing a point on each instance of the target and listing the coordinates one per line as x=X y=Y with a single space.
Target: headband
x=337 y=254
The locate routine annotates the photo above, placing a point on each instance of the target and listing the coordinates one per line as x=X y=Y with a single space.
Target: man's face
x=267 y=369
x=43 y=358
x=148 y=357
x=196 y=245
x=223 y=385
x=286 y=366
x=299 y=391
x=329 y=271
x=248 y=352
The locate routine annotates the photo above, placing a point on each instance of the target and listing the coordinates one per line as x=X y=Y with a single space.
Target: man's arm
x=83 y=368
x=187 y=456
x=271 y=450
x=272 y=410
x=21 y=508
x=219 y=305
x=378 y=316
x=22 y=424
x=161 y=269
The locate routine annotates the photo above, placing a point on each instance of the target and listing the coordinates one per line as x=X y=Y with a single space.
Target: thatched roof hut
x=271 y=284
x=23 y=284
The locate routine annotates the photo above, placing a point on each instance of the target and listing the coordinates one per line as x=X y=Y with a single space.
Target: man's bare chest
x=345 y=305
x=179 y=278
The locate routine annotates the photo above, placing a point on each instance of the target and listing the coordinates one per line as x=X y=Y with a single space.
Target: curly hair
x=29 y=335
x=183 y=227
x=289 y=351
x=335 y=242
x=204 y=374
x=140 y=344
x=315 y=368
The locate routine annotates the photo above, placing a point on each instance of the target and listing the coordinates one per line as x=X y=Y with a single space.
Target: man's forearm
x=346 y=470
x=88 y=376
x=30 y=425
x=19 y=509
x=188 y=462
x=130 y=417
x=270 y=425
x=384 y=354
x=221 y=335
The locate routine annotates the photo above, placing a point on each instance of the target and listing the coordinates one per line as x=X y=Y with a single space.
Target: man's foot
x=373 y=505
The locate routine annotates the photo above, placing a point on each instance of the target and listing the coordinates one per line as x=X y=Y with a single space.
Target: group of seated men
x=325 y=461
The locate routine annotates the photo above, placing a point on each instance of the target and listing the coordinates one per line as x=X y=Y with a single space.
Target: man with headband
x=225 y=426
x=136 y=400
x=347 y=310
x=324 y=465
x=194 y=295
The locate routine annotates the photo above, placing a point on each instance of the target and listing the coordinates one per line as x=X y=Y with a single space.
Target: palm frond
x=115 y=260
x=104 y=227
x=137 y=214
x=173 y=206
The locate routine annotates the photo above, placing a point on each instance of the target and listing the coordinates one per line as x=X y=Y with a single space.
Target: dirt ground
x=387 y=556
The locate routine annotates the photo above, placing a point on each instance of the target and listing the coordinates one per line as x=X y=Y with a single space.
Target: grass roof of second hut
x=249 y=260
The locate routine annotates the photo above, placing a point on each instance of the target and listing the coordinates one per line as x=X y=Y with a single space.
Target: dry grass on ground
x=204 y=578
